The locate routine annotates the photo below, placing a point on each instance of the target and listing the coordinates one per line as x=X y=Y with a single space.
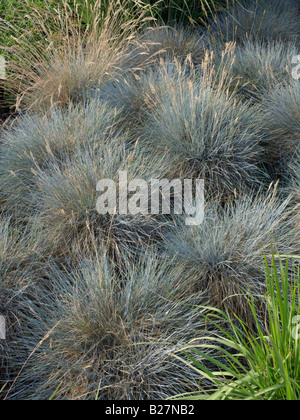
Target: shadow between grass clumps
x=255 y=68
x=206 y=132
x=281 y=127
x=20 y=266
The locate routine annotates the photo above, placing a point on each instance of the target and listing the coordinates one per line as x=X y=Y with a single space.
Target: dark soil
x=6 y=113
x=4 y=108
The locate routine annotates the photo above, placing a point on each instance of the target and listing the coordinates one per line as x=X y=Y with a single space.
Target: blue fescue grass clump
x=136 y=95
x=97 y=304
x=19 y=254
x=207 y=132
x=20 y=263
x=65 y=200
x=36 y=143
x=10 y=254
x=112 y=337
x=295 y=178
x=293 y=188
x=281 y=108
x=256 y=67
x=15 y=310
x=222 y=257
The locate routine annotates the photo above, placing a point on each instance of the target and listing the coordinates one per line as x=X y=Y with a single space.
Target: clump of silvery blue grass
x=110 y=337
x=223 y=256
x=207 y=132
x=15 y=312
x=255 y=68
x=10 y=254
x=18 y=254
x=135 y=95
x=19 y=265
x=281 y=109
x=38 y=142
x=166 y=42
x=258 y=20
x=66 y=197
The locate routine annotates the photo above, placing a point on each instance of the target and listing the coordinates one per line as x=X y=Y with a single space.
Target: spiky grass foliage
x=19 y=266
x=22 y=260
x=135 y=96
x=15 y=309
x=20 y=255
x=165 y=43
x=12 y=255
x=255 y=68
x=63 y=61
x=223 y=256
x=258 y=20
x=187 y=12
x=65 y=199
x=36 y=142
x=281 y=109
x=295 y=177
x=207 y=132
x=111 y=336
x=263 y=365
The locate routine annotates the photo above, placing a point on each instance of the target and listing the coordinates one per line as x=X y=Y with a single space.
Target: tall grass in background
x=187 y=11
x=57 y=66
x=259 y=364
x=256 y=67
x=167 y=11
